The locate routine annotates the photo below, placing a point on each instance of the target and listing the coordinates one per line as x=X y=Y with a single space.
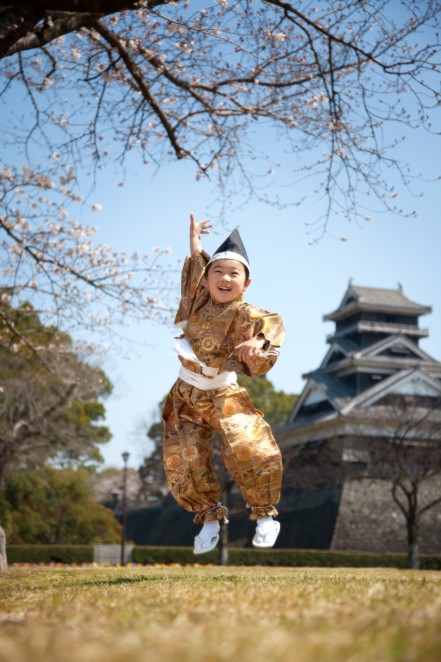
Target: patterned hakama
x=191 y=414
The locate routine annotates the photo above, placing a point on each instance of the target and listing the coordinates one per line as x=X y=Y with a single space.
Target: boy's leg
x=187 y=450
x=250 y=452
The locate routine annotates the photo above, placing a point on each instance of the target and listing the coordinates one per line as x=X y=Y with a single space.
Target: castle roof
x=355 y=414
x=358 y=298
x=373 y=355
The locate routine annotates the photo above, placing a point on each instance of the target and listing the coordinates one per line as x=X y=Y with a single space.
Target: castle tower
x=373 y=351
x=346 y=407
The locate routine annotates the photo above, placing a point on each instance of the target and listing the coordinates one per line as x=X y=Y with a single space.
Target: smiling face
x=226 y=280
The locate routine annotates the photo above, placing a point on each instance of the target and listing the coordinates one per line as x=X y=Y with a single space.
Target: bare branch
x=134 y=70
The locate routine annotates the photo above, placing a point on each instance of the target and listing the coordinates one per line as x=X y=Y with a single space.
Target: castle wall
x=369 y=520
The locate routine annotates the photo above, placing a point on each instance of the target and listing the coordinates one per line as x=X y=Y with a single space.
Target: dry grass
x=214 y=614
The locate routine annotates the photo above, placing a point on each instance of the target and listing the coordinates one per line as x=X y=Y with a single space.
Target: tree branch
x=135 y=72
x=35 y=24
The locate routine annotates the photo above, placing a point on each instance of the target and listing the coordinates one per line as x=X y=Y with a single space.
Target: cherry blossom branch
x=198 y=81
x=134 y=70
x=362 y=54
x=55 y=261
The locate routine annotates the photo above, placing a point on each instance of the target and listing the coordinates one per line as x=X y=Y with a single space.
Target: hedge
x=244 y=557
x=283 y=557
x=49 y=553
x=173 y=555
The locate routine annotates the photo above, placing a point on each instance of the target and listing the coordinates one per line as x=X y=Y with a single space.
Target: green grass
x=213 y=614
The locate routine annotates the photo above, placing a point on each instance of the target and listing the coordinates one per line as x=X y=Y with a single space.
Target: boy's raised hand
x=196 y=229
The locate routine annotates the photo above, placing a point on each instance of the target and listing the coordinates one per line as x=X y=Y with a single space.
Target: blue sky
x=289 y=275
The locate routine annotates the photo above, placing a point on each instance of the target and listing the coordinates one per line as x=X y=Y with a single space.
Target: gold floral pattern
x=173 y=461
x=208 y=344
x=190 y=453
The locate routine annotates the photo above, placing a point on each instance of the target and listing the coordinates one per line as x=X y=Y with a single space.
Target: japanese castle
x=373 y=358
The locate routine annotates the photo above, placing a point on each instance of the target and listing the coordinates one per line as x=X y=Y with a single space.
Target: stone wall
x=329 y=488
x=369 y=520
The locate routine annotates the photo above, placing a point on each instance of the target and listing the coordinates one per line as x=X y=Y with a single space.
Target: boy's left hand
x=249 y=348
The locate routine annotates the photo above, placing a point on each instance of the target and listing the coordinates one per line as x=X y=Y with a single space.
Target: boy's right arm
x=193 y=271
x=196 y=229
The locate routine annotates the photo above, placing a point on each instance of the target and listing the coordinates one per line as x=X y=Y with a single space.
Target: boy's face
x=226 y=280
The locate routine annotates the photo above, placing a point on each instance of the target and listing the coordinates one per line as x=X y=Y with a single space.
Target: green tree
x=276 y=405
x=151 y=472
x=50 y=400
x=55 y=506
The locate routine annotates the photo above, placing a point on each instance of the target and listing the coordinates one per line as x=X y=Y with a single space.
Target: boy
x=222 y=335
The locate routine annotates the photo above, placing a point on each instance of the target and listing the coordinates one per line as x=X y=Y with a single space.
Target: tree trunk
x=223 y=544
x=3 y=559
x=413 y=557
x=227 y=484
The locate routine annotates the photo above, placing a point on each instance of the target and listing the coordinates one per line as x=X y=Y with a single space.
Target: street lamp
x=125 y=457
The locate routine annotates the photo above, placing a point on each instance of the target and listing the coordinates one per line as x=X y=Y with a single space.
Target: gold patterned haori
x=191 y=415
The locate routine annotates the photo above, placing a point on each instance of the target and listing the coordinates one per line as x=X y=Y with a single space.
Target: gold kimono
x=190 y=415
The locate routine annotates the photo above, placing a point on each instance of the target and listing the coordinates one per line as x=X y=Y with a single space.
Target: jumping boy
x=222 y=335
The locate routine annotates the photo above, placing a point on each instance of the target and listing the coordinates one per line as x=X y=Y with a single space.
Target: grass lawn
x=208 y=614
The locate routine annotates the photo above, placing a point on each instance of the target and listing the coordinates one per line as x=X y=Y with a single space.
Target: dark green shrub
x=282 y=557
x=150 y=555
x=246 y=557
x=50 y=553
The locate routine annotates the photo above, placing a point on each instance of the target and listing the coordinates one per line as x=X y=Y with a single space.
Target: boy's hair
x=210 y=264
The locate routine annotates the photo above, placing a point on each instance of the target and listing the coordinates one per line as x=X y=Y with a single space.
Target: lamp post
x=125 y=457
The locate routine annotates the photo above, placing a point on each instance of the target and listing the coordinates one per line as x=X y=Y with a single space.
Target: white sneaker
x=266 y=533
x=207 y=539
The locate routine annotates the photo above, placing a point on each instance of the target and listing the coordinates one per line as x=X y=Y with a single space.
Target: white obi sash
x=211 y=379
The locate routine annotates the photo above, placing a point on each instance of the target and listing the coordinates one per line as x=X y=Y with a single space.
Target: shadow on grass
x=116 y=581
x=87 y=583
x=68 y=583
